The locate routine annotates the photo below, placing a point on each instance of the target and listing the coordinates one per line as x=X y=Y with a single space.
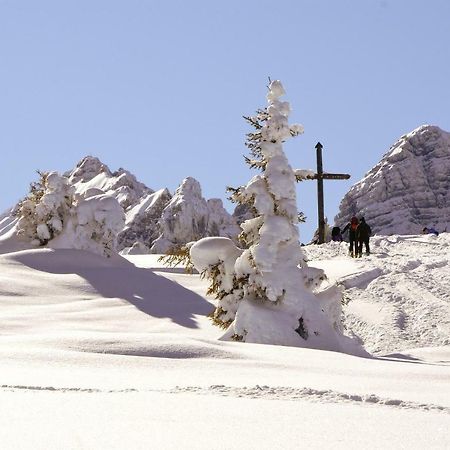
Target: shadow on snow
x=116 y=277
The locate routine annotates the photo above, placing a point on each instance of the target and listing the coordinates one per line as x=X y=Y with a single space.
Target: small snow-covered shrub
x=176 y=256
x=43 y=213
x=214 y=258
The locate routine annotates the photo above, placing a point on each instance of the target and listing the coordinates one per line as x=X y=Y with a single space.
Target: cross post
x=320 y=202
x=320 y=176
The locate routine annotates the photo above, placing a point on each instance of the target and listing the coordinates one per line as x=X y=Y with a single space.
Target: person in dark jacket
x=351 y=227
x=336 y=234
x=363 y=233
x=428 y=230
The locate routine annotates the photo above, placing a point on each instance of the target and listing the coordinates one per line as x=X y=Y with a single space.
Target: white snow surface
x=399 y=296
x=115 y=353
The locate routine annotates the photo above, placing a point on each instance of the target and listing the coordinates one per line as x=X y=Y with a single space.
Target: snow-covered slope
x=149 y=215
x=398 y=297
x=119 y=353
x=409 y=189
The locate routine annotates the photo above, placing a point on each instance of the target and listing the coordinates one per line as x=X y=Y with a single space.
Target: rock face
x=189 y=217
x=154 y=220
x=91 y=173
x=409 y=189
x=142 y=221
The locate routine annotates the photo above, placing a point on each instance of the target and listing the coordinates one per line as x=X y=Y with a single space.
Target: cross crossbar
x=330 y=176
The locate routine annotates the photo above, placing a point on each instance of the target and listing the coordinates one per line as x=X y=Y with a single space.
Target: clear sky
x=160 y=87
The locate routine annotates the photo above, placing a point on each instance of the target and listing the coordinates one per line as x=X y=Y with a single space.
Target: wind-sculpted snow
x=409 y=189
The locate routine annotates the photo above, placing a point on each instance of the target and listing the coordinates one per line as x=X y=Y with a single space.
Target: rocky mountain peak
x=408 y=189
x=189 y=187
x=87 y=169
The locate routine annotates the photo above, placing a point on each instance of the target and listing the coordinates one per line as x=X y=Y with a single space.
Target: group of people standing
x=359 y=233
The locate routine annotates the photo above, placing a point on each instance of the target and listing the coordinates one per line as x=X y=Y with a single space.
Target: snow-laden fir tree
x=43 y=212
x=53 y=215
x=266 y=292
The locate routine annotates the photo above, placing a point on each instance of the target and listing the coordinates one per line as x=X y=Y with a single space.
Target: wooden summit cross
x=320 y=176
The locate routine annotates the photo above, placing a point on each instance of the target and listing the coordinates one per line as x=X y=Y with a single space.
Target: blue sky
x=160 y=87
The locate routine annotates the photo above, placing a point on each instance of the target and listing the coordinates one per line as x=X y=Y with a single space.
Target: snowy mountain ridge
x=155 y=221
x=409 y=189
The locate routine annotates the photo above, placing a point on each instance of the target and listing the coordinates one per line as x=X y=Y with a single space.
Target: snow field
x=113 y=353
x=399 y=295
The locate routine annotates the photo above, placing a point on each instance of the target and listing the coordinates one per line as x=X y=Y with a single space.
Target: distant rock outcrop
x=189 y=217
x=142 y=221
x=91 y=173
x=408 y=189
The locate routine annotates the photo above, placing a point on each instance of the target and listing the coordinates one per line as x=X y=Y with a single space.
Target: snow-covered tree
x=53 y=215
x=94 y=226
x=266 y=292
x=44 y=211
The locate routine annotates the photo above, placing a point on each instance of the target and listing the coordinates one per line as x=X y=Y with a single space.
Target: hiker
x=428 y=230
x=351 y=227
x=336 y=234
x=363 y=233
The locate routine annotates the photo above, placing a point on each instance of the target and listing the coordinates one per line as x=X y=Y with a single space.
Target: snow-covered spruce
x=53 y=215
x=265 y=292
x=215 y=258
x=44 y=211
x=93 y=226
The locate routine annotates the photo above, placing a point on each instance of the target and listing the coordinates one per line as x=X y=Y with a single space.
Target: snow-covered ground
x=399 y=296
x=118 y=353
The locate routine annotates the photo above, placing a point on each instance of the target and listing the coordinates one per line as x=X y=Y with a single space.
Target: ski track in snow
x=254 y=392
